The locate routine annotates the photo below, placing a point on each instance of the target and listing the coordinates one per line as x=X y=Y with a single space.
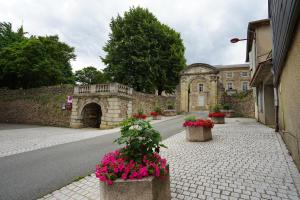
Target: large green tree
x=35 y=61
x=89 y=75
x=143 y=53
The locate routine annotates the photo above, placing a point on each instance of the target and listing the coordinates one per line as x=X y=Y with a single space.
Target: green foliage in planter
x=217 y=108
x=140 y=111
x=139 y=138
x=190 y=118
x=158 y=109
x=226 y=106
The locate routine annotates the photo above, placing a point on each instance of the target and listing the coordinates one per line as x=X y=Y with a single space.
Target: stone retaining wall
x=148 y=102
x=42 y=106
x=36 y=106
x=243 y=105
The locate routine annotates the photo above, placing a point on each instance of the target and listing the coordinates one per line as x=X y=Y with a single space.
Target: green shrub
x=190 y=118
x=226 y=106
x=139 y=138
x=217 y=108
x=140 y=111
x=157 y=109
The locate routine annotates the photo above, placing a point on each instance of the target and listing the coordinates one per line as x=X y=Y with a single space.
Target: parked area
x=245 y=160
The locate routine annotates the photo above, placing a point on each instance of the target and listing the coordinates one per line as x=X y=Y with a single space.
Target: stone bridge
x=101 y=105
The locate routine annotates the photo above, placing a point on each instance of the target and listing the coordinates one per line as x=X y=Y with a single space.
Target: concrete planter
x=228 y=113
x=218 y=120
x=198 y=134
x=158 y=117
x=150 y=188
x=169 y=112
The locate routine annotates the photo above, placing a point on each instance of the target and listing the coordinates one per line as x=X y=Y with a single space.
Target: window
x=229 y=75
x=244 y=74
x=201 y=89
x=245 y=86
x=229 y=86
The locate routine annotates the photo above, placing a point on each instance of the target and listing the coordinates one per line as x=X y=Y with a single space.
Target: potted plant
x=140 y=114
x=155 y=115
x=198 y=130
x=227 y=109
x=217 y=116
x=135 y=171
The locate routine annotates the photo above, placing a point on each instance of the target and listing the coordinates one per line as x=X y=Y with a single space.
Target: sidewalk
x=245 y=160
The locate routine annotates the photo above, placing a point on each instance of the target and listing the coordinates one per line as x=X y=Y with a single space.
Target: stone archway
x=91 y=115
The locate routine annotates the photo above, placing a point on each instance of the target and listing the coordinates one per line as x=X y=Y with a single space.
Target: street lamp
x=235 y=40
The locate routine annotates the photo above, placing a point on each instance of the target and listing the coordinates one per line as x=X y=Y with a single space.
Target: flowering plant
x=139 y=116
x=154 y=114
x=216 y=114
x=115 y=165
x=140 y=156
x=198 y=123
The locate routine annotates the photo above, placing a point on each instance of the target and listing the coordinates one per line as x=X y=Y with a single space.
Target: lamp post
x=235 y=40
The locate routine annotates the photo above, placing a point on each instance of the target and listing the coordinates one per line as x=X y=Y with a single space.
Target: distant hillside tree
x=143 y=53
x=35 y=61
x=89 y=75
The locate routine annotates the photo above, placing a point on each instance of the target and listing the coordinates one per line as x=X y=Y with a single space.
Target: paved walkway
x=245 y=160
x=19 y=138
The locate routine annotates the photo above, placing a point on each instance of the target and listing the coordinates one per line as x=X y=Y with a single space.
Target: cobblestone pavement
x=15 y=138
x=245 y=160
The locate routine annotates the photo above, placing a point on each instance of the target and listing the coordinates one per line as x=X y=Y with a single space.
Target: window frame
x=227 y=84
x=202 y=86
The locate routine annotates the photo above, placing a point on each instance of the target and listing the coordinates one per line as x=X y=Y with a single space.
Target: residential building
x=258 y=54
x=202 y=85
x=285 y=21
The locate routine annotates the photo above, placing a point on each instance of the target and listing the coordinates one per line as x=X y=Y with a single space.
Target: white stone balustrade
x=103 y=89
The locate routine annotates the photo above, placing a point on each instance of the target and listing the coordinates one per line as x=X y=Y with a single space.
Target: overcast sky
x=206 y=26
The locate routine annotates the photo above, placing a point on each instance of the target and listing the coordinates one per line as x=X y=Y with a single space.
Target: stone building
x=202 y=85
x=285 y=23
x=259 y=54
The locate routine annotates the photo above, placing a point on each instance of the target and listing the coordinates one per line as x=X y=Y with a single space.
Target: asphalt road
x=33 y=174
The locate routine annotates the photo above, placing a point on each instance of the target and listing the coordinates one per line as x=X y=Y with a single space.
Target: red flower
x=154 y=114
x=139 y=116
x=216 y=114
x=199 y=123
x=114 y=166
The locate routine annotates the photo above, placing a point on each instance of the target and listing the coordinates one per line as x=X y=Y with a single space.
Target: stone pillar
x=113 y=116
x=129 y=108
x=184 y=95
x=214 y=90
x=76 y=118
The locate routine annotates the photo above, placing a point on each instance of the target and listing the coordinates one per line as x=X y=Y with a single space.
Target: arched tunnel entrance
x=91 y=115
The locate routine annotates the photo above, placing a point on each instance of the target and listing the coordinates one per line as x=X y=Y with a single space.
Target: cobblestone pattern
x=245 y=160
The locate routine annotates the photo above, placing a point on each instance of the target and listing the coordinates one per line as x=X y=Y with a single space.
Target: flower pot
x=169 y=113
x=228 y=113
x=198 y=134
x=149 y=188
x=218 y=120
x=158 y=117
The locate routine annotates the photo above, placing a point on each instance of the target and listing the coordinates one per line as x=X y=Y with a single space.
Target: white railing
x=114 y=88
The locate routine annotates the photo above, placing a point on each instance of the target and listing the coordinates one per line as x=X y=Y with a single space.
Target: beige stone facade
x=289 y=99
x=202 y=85
x=259 y=48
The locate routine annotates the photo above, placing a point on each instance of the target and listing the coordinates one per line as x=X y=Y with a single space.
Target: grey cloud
x=205 y=25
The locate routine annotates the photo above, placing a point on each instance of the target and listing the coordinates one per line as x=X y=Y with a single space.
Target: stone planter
x=169 y=113
x=158 y=117
x=150 y=188
x=218 y=120
x=228 y=113
x=198 y=134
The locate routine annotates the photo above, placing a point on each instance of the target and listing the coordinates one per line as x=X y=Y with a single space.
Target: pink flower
x=109 y=182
